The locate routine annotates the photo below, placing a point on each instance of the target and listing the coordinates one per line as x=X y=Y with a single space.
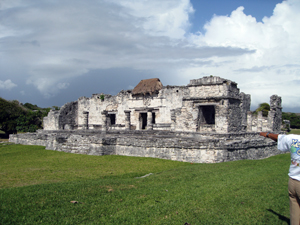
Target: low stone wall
x=180 y=146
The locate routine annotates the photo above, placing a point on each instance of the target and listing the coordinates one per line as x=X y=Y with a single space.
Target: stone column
x=225 y=125
x=275 y=114
x=173 y=119
x=259 y=121
x=245 y=108
x=226 y=89
x=149 y=120
x=104 y=120
x=85 y=125
x=127 y=119
x=249 y=121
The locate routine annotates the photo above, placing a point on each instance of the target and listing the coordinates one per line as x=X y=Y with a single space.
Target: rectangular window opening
x=112 y=118
x=207 y=114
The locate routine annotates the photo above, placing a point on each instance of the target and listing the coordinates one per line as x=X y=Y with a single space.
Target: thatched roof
x=148 y=86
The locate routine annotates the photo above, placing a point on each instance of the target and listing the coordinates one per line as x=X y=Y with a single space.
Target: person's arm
x=269 y=135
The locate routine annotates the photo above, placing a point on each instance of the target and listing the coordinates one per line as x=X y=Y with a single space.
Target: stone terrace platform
x=191 y=147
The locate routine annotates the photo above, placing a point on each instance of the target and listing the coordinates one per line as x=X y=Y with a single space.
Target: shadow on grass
x=281 y=217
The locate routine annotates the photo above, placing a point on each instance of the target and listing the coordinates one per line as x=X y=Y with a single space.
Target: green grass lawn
x=295 y=131
x=37 y=187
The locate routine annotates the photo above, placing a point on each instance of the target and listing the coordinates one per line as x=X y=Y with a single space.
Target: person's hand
x=264 y=134
x=269 y=135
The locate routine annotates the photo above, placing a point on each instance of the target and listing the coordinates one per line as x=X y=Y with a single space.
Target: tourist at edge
x=291 y=143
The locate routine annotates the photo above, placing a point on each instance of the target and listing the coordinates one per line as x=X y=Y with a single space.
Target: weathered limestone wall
x=212 y=87
x=38 y=138
x=275 y=114
x=50 y=122
x=234 y=116
x=186 y=117
x=68 y=117
x=179 y=146
x=169 y=98
x=209 y=104
x=218 y=97
x=160 y=104
x=222 y=116
x=211 y=150
x=271 y=123
x=95 y=105
x=258 y=123
x=245 y=108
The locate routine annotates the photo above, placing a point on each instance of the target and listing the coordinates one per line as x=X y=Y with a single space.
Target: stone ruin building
x=206 y=121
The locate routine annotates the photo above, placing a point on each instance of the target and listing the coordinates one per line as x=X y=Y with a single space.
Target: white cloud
x=54 y=42
x=276 y=47
x=7 y=85
x=46 y=77
x=160 y=18
x=62 y=85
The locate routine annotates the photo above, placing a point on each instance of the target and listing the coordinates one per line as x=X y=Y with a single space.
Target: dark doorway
x=207 y=114
x=112 y=118
x=143 y=120
x=153 y=118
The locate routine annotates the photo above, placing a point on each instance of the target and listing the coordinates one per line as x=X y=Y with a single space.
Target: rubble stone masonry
x=180 y=146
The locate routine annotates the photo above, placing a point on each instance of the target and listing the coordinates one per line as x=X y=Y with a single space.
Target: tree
x=264 y=107
x=9 y=112
x=31 y=106
x=29 y=122
x=55 y=107
x=15 y=117
x=293 y=118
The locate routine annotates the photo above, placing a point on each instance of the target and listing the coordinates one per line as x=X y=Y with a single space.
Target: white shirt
x=291 y=143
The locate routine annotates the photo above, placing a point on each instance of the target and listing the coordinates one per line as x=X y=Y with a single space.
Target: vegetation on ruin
x=294 y=119
x=264 y=107
x=37 y=187
x=17 y=117
x=9 y=112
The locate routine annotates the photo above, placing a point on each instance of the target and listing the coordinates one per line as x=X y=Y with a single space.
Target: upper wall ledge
x=209 y=81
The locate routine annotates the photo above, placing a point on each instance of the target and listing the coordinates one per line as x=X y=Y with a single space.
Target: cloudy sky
x=54 y=51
